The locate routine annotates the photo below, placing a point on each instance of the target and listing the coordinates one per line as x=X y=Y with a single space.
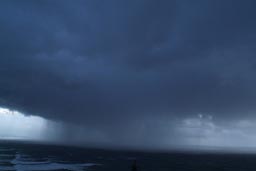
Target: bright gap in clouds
x=200 y=130
x=15 y=125
x=18 y=126
x=204 y=131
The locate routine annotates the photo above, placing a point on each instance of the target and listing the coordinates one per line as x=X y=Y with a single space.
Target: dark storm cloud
x=111 y=64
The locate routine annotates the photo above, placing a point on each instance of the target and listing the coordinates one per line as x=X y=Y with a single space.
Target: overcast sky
x=133 y=73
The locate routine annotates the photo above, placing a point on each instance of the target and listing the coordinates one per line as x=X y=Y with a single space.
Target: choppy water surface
x=31 y=157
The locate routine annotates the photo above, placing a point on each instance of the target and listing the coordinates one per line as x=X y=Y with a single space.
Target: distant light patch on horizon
x=202 y=130
x=16 y=125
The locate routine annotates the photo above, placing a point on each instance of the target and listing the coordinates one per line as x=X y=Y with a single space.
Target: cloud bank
x=129 y=71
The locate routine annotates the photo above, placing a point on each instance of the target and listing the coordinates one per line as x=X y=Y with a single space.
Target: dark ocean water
x=35 y=157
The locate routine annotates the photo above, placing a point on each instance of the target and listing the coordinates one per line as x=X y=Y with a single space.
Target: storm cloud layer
x=130 y=71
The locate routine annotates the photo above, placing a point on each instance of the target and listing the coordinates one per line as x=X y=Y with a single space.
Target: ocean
x=24 y=156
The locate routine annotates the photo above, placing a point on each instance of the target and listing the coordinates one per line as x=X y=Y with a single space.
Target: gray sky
x=142 y=73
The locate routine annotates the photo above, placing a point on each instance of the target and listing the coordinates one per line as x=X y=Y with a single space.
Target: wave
x=22 y=162
x=53 y=166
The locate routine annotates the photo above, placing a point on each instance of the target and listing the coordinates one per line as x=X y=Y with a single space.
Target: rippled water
x=20 y=160
x=32 y=157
